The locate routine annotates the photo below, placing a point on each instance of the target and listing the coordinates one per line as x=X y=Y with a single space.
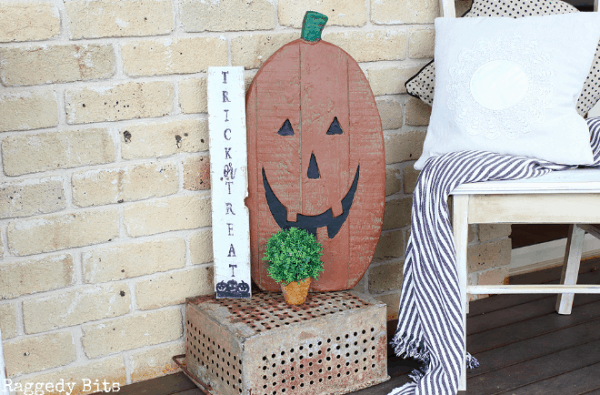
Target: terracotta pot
x=295 y=293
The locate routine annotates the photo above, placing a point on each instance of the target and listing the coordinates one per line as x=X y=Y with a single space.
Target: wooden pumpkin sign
x=315 y=157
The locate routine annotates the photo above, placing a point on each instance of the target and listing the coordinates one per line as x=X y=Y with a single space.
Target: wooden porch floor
x=523 y=346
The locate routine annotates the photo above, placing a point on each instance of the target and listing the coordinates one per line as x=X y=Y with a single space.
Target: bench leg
x=461 y=238
x=564 y=302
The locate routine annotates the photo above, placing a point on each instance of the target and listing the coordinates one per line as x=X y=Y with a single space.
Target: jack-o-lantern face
x=243 y=287
x=221 y=286
x=315 y=159
x=232 y=286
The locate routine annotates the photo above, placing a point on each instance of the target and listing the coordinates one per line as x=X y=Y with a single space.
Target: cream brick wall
x=105 y=223
x=114 y=18
x=28 y=22
x=46 y=64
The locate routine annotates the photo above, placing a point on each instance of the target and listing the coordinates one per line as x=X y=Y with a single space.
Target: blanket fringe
x=472 y=362
x=408 y=346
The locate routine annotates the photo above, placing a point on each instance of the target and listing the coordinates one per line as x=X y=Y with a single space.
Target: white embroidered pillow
x=510 y=86
x=421 y=85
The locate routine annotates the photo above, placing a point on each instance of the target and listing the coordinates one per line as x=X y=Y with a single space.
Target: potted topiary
x=294 y=257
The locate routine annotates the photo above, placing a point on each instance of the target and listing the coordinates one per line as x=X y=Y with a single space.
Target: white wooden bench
x=568 y=197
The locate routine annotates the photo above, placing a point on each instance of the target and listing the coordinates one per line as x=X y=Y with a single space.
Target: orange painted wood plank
x=311 y=85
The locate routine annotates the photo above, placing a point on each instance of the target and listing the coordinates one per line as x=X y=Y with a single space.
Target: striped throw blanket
x=430 y=326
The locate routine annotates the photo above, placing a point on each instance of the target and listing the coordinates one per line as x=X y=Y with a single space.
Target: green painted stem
x=313 y=25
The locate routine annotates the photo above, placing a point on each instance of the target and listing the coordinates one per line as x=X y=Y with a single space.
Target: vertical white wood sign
x=229 y=181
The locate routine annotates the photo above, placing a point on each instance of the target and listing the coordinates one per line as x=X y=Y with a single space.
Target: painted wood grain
x=229 y=182
x=313 y=133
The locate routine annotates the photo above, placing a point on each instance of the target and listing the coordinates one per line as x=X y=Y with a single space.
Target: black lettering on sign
x=226 y=115
x=227 y=150
x=230 y=228
x=229 y=171
x=231 y=252
x=225 y=76
x=225 y=134
x=233 y=267
x=229 y=186
x=229 y=209
x=225 y=98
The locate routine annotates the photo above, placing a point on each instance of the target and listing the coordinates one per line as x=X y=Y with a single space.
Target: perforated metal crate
x=333 y=344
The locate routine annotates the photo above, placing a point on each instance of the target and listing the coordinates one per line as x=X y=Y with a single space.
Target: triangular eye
x=286 y=129
x=335 y=127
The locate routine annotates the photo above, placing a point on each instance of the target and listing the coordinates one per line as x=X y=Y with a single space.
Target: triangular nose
x=313 y=168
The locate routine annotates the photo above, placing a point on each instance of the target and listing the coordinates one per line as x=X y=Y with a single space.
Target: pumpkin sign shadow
x=315 y=157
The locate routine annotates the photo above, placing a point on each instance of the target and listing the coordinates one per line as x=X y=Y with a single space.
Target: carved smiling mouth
x=311 y=222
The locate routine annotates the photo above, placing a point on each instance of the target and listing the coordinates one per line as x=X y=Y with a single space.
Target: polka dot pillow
x=422 y=84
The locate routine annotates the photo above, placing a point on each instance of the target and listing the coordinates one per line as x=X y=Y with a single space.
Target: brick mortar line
x=397 y=196
x=183 y=323
x=115 y=135
x=68 y=193
x=59 y=292
x=405 y=129
x=176 y=100
x=385 y=262
x=226 y=34
x=181 y=174
x=489 y=270
x=128 y=364
x=177 y=25
x=115 y=40
x=387 y=64
x=122 y=228
x=119 y=73
x=118 y=79
x=63 y=20
x=4 y=240
x=188 y=250
x=93 y=209
x=77 y=270
x=77 y=333
x=130 y=282
x=20 y=319
x=21 y=260
x=180 y=233
x=395 y=97
x=107 y=207
x=392 y=230
x=385 y=293
x=123 y=164
x=59 y=369
x=96 y=322
x=473 y=277
x=61 y=106
x=129 y=354
x=82 y=127
x=229 y=52
x=363 y=284
x=368 y=12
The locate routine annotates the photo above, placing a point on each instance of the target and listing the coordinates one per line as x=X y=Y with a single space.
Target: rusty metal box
x=333 y=344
